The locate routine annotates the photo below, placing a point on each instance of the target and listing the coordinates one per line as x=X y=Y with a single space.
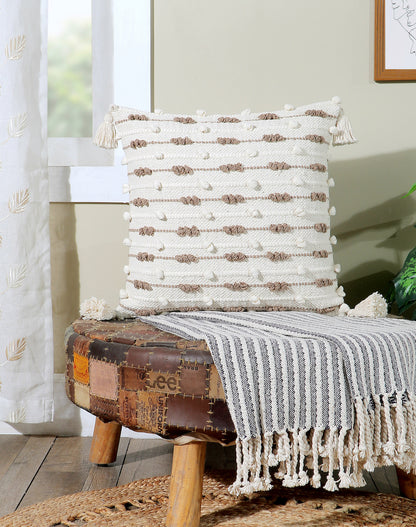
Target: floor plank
x=102 y=477
x=64 y=470
x=33 y=469
x=146 y=458
x=9 y=450
x=19 y=475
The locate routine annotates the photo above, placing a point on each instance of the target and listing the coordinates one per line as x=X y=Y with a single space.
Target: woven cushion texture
x=229 y=212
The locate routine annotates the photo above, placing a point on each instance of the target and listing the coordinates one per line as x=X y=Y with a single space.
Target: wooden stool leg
x=407 y=483
x=105 y=442
x=186 y=485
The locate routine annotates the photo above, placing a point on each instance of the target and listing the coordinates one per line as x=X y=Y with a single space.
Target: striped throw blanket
x=309 y=391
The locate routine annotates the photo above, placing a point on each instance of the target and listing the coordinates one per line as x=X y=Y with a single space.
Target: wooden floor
x=33 y=469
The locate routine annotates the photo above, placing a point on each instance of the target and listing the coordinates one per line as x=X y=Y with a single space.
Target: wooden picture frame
x=401 y=47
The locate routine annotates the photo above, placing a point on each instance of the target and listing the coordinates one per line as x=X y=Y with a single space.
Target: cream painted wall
x=87 y=260
x=228 y=55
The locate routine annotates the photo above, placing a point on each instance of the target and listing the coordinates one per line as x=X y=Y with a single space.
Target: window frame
x=79 y=171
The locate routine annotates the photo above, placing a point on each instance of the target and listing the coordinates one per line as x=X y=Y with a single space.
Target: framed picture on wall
x=395 y=40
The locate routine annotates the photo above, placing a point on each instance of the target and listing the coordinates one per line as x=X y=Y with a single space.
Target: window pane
x=69 y=69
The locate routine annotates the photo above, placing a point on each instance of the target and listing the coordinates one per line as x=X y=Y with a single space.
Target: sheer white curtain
x=26 y=354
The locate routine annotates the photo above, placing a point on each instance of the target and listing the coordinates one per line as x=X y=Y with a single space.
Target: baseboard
x=69 y=419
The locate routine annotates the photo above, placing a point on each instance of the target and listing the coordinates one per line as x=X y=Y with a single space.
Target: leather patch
x=82 y=395
x=127 y=403
x=162 y=359
x=137 y=357
x=81 y=345
x=189 y=413
x=220 y=417
x=193 y=379
x=81 y=373
x=151 y=411
x=164 y=382
x=109 y=351
x=103 y=379
x=216 y=390
x=133 y=378
x=105 y=408
x=200 y=356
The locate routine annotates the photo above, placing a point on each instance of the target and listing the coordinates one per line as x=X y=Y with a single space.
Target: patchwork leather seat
x=146 y=379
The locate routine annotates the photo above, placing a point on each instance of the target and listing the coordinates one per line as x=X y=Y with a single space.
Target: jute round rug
x=143 y=503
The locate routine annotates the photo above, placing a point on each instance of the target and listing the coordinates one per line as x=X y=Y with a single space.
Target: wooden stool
x=132 y=374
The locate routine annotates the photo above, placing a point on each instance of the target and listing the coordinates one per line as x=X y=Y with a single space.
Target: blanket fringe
x=383 y=433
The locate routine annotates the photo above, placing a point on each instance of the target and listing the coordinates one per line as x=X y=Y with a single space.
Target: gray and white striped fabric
x=289 y=375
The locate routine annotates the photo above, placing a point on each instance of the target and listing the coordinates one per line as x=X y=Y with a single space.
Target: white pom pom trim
x=123 y=293
x=300 y=242
x=126 y=216
x=211 y=248
x=336 y=100
x=126 y=269
x=208 y=301
x=333 y=240
x=253 y=183
x=297 y=181
x=297 y=149
x=340 y=291
x=288 y=107
x=161 y=215
x=127 y=242
x=207 y=214
x=255 y=273
x=255 y=244
x=300 y=300
x=206 y=185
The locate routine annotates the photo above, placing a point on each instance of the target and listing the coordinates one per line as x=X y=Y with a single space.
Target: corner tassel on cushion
x=374 y=306
x=343 y=134
x=96 y=309
x=106 y=133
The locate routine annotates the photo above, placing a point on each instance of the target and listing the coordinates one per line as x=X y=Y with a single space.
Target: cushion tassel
x=344 y=135
x=106 y=133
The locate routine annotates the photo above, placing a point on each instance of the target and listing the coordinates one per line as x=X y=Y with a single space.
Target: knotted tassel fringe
x=344 y=135
x=382 y=434
x=106 y=133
